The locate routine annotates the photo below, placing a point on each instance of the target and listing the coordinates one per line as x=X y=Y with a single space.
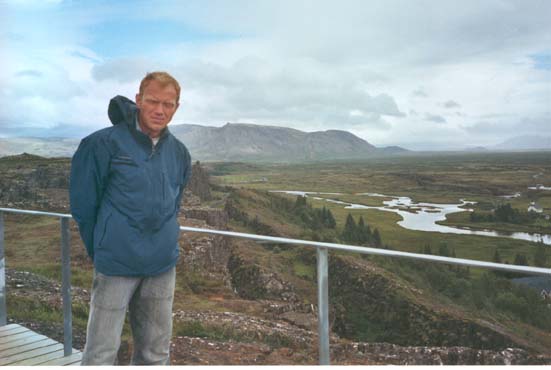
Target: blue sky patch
x=542 y=61
x=128 y=37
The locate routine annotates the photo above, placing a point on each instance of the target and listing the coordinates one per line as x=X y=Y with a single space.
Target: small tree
x=361 y=229
x=377 y=238
x=330 y=222
x=349 y=232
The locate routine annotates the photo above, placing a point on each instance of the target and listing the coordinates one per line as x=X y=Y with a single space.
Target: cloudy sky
x=421 y=74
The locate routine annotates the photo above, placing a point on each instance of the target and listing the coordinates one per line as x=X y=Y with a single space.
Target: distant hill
x=234 y=142
x=391 y=150
x=45 y=147
x=526 y=143
x=476 y=149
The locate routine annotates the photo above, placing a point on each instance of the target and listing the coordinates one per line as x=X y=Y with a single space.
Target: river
x=423 y=216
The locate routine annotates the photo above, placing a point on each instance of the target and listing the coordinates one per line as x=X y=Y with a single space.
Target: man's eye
x=152 y=102
x=169 y=105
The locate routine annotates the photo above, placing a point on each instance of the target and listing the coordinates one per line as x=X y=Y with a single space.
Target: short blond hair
x=164 y=79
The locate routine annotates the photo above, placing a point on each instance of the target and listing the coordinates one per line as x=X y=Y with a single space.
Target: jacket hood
x=121 y=109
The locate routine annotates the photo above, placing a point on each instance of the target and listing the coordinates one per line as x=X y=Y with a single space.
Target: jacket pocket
x=124 y=160
x=104 y=231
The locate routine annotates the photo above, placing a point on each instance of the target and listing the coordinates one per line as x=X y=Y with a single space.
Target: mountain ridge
x=233 y=142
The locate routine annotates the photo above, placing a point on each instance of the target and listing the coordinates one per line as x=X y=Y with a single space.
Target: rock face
x=199 y=182
x=213 y=217
x=251 y=281
x=30 y=181
x=370 y=306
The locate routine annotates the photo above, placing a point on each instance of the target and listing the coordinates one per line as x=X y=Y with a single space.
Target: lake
x=423 y=216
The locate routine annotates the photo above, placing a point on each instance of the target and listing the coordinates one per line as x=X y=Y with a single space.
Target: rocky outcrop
x=216 y=218
x=199 y=182
x=274 y=332
x=204 y=254
x=34 y=182
x=368 y=305
x=252 y=281
x=277 y=342
x=391 y=354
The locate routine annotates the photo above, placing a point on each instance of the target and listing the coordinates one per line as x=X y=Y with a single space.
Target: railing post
x=323 y=305
x=3 y=312
x=66 y=287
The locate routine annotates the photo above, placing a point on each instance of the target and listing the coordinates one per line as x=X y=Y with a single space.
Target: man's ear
x=138 y=100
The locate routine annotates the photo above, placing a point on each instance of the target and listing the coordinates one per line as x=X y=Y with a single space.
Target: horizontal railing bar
x=341 y=247
x=377 y=251
x=38 y=213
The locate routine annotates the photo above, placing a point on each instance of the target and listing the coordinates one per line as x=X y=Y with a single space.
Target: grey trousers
x=149 y=302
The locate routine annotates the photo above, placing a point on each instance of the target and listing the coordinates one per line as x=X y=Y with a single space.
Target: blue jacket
x=125 y=195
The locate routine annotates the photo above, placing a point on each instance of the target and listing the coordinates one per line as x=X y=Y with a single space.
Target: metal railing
x=322 y=253
x=65 y=273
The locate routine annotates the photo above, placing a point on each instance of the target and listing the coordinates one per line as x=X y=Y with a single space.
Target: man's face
x=157 y=106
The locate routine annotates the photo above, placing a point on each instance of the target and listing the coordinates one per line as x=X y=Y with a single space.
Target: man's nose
x=158 y=109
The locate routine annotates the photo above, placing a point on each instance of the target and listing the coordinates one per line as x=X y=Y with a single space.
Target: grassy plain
x=484 y=178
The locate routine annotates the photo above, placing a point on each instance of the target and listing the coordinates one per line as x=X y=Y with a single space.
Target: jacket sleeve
x=89 y=172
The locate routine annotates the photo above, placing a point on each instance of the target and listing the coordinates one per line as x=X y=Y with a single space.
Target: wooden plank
x=30 y=354
x=21 y=342
x=7 y=333
x=22 y=346
x=40 y=359
x=11 y=338
x=71 y=360
x=9 y=327
x=76 y=364
x=27 y=347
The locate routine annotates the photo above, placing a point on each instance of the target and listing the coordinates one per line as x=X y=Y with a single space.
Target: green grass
x=31 y=309
x=79 y=277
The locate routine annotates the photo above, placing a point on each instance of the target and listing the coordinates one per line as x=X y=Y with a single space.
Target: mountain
x=526 y=143
x=249 y=142
x=233 y=142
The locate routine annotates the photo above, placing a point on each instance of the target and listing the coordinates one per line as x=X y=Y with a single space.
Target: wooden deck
x=22 y=346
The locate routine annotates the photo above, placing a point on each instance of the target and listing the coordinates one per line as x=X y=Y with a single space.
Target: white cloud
x=305 y=64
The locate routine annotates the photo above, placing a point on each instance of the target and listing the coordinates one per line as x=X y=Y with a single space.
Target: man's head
x=158 y=100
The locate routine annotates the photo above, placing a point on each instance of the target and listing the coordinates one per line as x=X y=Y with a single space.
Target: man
x=126 y=186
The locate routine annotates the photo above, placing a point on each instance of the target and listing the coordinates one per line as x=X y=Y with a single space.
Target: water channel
x=423 y=216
